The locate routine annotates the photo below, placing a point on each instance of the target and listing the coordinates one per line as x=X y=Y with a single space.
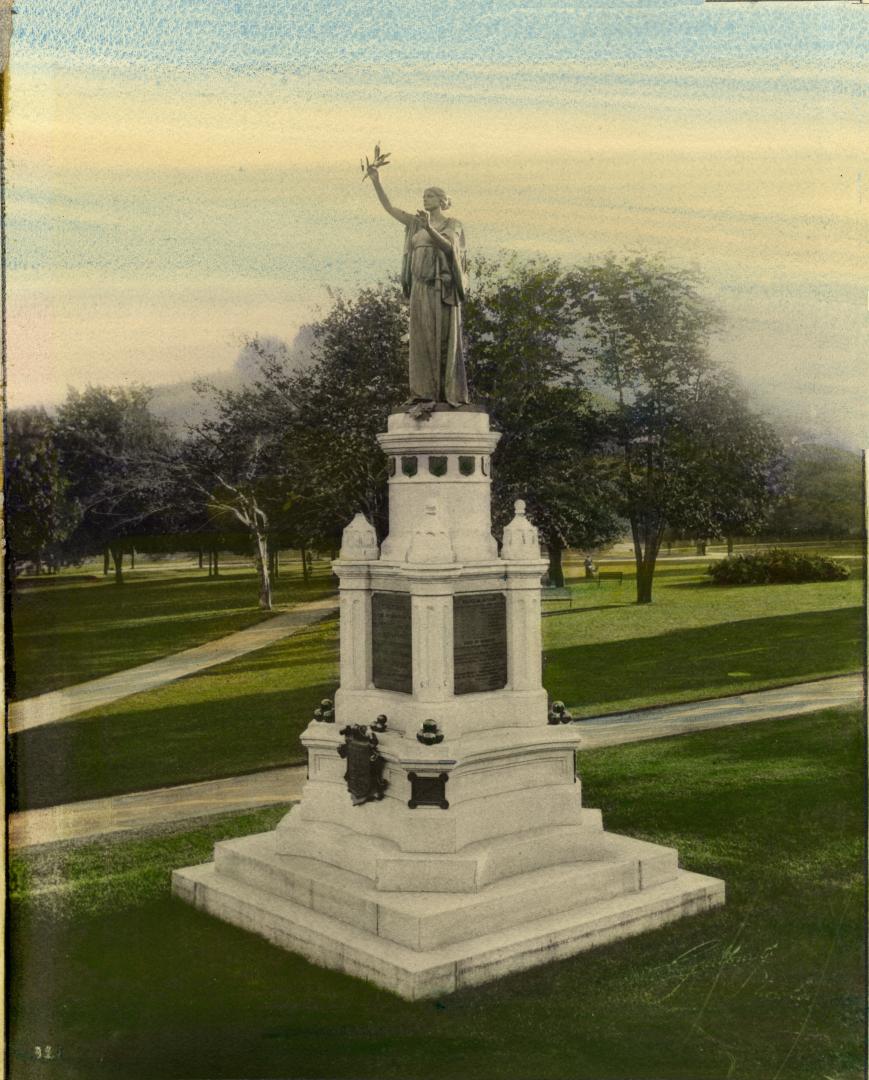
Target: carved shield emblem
x=364 y=774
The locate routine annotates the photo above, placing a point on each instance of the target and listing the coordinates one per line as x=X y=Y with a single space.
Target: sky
x=182 y=174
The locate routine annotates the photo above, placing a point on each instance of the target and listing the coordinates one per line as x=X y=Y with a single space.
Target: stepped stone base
x=422 y=945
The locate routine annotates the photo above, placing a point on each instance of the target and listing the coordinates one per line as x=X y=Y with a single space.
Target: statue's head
x=435 y=196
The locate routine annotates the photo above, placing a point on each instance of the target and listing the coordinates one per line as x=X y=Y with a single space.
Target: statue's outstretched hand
x=371 y=168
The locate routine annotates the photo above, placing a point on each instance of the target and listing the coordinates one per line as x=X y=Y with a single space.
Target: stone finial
x=359 y=541
x=431 y=542
x=521 y=541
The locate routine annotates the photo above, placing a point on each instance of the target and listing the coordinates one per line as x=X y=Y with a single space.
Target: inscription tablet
x=479 y=642
x=391 y=634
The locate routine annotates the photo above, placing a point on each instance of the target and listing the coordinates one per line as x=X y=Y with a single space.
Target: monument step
x=391 y=870
x=431 y=829
x=429 y=920
x=428 y=973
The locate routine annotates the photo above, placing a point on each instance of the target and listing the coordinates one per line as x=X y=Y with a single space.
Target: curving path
x=98 y=817
x=59 y=705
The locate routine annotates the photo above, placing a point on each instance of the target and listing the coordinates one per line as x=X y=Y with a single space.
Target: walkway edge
x=59 y=705
x=140 y=809
x=99 y=817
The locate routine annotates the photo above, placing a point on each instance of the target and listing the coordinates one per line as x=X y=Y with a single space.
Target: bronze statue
x=434 y=279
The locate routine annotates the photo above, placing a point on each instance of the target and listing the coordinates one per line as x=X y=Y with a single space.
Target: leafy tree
x=334 y=409
x=40 y=512
x=690 y=453
x=108 y=441
x=234 y=467
x=516 y=322
x=519 y=324
x=824 y=496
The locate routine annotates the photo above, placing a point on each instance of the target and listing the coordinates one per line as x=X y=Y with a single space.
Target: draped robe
x=434 y=283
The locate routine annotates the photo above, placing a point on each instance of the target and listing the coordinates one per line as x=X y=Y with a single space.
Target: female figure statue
x=433 y=277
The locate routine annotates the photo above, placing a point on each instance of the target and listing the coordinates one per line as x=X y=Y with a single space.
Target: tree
x=40 y=511
x=516 y=320
x=335 y=408
x=519 y=324
x=235 y=465
x=690 y=454
x=824 y=496
x=108 y=440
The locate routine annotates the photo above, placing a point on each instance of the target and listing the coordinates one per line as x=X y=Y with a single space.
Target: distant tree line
x=613 y=418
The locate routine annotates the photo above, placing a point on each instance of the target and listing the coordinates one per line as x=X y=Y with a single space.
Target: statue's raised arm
x=434 y=278
x=373 y=173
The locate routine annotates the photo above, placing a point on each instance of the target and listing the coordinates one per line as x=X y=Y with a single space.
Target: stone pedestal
x=465 y=851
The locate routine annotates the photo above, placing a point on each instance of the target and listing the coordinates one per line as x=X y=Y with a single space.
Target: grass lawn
x=695 y=641
x=72 y=628
x=123 y=981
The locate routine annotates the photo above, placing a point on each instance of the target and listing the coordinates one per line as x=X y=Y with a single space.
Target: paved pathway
x=97 y=817
x=61 y=704
x=188 y=801
x=721 y=712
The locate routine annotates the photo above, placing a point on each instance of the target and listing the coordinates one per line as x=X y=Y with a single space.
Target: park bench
x=603 y=575
x=550 y=594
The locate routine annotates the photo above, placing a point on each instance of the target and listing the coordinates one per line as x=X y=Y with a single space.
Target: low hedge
x=776 y=567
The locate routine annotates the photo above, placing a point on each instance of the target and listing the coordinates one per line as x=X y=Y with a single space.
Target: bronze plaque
x=479 y=642
x=428 y=790
x=390 y=631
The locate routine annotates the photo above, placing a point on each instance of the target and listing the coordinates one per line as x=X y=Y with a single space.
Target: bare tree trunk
x=306 y=569
x=262 y=565
x=118 y=559
x=555 y=570
x=647 y=541
x=729 y=546
x=216 y=563
x=106 y=562
x=200 y=558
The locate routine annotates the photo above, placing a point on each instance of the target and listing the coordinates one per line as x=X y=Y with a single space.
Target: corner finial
x=521 y=541
x=359 y=541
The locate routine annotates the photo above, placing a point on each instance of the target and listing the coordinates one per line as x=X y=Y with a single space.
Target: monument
x=441 y=840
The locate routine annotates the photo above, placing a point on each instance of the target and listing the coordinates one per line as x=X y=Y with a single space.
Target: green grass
x=123 y=981
x=607 y=654
x=230 y=719
x=696 y=640
x=73 y=628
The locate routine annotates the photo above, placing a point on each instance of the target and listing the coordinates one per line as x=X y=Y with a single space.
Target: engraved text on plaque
x=391 y=634
x=479 y=642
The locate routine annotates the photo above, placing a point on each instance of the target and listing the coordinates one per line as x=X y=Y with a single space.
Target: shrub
x=776 y=567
